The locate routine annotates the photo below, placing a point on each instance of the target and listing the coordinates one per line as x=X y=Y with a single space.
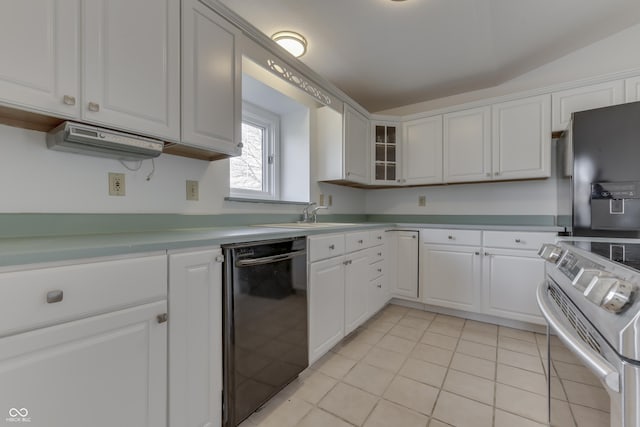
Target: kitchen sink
x=309 y=224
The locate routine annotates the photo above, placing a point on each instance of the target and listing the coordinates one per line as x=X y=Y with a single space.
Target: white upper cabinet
x=521 y=134
x=211 y=81
x=131 y=55
x=40 y=64
x=467 y=145
x=356 y=146
x=632 y=89
x=422 y=151
x=386 y=153
x=584 y=98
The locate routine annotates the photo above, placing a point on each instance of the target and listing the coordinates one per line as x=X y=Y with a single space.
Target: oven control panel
x=572 y=264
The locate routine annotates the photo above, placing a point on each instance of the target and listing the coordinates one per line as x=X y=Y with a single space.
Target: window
x=253 y=174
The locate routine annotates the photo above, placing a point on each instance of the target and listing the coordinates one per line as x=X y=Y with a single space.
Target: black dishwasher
x=265 y=344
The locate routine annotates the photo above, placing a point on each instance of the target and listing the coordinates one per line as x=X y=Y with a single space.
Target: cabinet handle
x=69 y=100
x=332 y=247
x=94 y=106
x=497 y=173
x=219 y=258
x=413 y=237
x=240 y=145
x=380 y=286
x=379 y=270
x=361 y=241
x=348 y=173
x=399 y=181
x=161 y=318
x=54 y=296
x=347 y=262
x=487 y=254
x=477 y=253
x=379 y=237
x=379 y=253
x=451 y=238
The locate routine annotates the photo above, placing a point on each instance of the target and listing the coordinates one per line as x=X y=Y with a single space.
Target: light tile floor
x=407 y=367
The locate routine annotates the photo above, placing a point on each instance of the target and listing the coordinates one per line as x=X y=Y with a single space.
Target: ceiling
x=386 y=54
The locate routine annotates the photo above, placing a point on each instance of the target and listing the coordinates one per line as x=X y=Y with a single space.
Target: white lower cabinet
x=356 y=290
x=195 y=338
x=326 y=305
x=451 y=276
x=341 y=287
x=99 y=359
x=404 y=259
x=489 y=272
x=511 y=277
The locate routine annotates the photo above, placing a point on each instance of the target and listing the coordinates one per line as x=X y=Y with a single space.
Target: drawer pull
x=361 y=241
x=69 y=100
x=347 y=262
x=54 y=296
x=413 y=237
x=379 y=237
x=487 y=254
x=477 y=253
x=518 y=241
x=380 y=286
x=379 y=253
x=379 y=270
x=332 y=247
x=161 y=318
x=93 y=106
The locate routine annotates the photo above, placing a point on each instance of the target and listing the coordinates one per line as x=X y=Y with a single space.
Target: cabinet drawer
x=452 y=237
x=357 y=241
x=377 y=253
x=376 y=270
x=376 y=237
x=48 y=295
x=321 y=247
x=517 y=240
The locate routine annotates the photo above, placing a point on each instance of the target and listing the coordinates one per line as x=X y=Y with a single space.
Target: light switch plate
x=192 y=190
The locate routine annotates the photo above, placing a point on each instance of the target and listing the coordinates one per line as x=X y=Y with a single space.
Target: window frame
x=270 y=122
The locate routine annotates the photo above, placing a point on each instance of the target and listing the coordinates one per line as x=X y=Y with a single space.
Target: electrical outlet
x=422 y=201
x=321 y=200
x=192 y=190
x=330 y=200
x=116 y=184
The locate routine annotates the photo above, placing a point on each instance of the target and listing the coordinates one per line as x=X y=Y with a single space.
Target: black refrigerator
x=606 y=172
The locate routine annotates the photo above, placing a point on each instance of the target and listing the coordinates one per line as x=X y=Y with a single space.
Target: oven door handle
x=598 y=364
x=268 y=259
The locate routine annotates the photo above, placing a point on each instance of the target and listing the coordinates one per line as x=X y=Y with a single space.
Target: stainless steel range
x=590 y=301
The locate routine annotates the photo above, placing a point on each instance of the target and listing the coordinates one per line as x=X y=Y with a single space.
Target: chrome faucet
x=314 y=213
x=306 y=217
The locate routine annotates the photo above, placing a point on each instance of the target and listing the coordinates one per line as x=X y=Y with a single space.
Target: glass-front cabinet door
x=386 y=153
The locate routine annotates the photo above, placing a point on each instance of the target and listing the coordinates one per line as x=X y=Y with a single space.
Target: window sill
x=267 y=201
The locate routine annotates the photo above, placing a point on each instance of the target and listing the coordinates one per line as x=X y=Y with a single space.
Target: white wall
x=295 y=158
x=41 y=180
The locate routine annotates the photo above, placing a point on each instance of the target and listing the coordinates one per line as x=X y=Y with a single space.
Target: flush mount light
x=293 y=42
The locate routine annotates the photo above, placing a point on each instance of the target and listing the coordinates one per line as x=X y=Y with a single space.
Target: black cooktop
x=627 y=254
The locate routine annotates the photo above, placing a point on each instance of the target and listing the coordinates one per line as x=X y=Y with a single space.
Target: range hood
x=94 y=141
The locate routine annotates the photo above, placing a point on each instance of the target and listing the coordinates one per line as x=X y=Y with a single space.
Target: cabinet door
x=386 y=153
x=104 y=371
x=584 y=98
x=451 y=276
x=522 y=138
x=632 y=89
x=467 y=145
x=211 y=81
x=326 y=306
x=405 y=254
x=356 y=290
x=356 y=146
x=195 y=338
x=40 y=49
x=131 y=55
x=422 y=151
x=510 y=281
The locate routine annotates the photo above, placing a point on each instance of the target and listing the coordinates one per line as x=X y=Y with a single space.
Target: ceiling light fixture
x=293 y=42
